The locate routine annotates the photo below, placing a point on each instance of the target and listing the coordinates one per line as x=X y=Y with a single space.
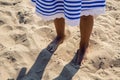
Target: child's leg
x=60 y=27
x=60 y=30
x=86 y=26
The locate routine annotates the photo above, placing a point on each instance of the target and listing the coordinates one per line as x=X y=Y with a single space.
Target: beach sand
x=24 y=37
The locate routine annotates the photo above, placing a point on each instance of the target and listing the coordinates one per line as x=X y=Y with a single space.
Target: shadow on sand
x=37 y=70
x=68 y=71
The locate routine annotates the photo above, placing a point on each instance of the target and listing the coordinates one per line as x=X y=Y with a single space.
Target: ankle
x=60 y=37
x=83 y=48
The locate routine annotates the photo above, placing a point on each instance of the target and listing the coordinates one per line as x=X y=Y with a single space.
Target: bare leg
x=60 y=30
x=86 y=25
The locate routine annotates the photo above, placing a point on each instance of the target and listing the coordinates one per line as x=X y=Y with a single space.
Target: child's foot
x=54 y=44
x=80 y=57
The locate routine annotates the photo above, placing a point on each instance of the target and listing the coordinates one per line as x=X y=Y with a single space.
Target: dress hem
x=93 y=12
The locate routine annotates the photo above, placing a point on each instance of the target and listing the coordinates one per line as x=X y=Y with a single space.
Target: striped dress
x=70 y=10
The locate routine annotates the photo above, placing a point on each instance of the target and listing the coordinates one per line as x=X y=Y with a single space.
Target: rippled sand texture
x=23 y=35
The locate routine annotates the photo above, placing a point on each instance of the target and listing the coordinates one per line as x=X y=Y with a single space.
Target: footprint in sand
x=21 y=39
x=101 y=61
x=24 y=17
x=10 y=56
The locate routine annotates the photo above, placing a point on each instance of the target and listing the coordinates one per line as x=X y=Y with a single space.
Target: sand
x=24 y=37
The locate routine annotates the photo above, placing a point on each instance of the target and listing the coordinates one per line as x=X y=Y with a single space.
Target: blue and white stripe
x=71 y=10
